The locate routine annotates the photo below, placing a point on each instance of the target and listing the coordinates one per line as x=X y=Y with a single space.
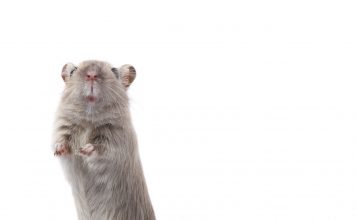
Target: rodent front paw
x=61 y=149
x=87 y=150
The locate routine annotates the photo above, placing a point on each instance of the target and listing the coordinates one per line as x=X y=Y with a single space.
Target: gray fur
x=107 y=183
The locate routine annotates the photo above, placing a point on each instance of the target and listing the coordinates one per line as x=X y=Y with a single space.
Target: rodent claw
x=87 y=150
x=61 y=149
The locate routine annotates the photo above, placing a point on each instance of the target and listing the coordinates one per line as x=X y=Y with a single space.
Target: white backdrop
x=243 y=109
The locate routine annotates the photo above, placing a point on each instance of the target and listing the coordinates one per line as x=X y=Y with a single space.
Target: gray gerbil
x=97 y=145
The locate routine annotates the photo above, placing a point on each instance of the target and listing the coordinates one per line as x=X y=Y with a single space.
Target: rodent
x=96 y=143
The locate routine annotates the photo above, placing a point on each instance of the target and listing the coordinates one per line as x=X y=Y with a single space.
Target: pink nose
x=91 y=76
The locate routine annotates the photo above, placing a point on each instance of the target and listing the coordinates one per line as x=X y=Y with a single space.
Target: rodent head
x=96 y=84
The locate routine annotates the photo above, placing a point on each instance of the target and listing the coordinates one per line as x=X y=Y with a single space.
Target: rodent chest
x=81 y=137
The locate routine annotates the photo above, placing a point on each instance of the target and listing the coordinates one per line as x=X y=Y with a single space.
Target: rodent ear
x=116 y=72
x=127 y=74
x=67 y=71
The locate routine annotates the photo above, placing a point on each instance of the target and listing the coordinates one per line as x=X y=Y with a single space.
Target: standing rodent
x=97 y=145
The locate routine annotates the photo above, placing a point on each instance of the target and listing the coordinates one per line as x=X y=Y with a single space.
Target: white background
x=243 y=109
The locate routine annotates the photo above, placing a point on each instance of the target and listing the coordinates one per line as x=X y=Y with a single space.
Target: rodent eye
x=115 y=71
x=71 y=72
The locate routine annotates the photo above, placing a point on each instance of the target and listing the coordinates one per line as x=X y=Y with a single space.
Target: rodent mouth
x=91 y=98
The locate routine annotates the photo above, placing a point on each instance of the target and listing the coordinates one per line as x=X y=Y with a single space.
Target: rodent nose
x=91 y=76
